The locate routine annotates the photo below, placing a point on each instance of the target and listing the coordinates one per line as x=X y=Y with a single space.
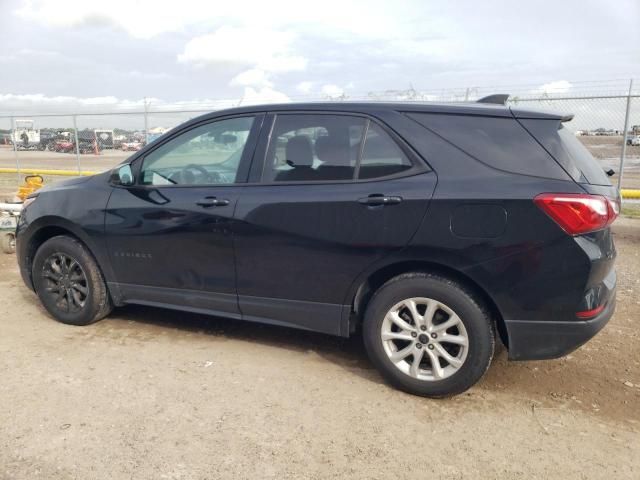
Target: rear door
x=332 y=194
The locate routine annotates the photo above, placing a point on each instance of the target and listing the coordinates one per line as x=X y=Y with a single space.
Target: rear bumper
x=541 y=340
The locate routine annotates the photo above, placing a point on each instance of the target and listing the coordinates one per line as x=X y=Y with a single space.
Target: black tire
x=475 y=318
x=97 y=303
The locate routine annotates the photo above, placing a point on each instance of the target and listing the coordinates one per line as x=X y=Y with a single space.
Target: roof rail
x=498 y=98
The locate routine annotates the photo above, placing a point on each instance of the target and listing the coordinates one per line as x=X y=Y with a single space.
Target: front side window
x=206 y=155
x=323 y=147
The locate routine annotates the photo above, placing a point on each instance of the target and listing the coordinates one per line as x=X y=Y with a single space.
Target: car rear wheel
x=428 y=335
x=69 y=283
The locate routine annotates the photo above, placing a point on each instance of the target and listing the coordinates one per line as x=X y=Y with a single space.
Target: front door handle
x=375 y=200
x=212 y=202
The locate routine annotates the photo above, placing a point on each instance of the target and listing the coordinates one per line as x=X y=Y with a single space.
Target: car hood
x=68 y=182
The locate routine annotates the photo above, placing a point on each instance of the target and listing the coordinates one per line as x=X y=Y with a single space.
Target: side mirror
x=122 y=175
x=610 y=172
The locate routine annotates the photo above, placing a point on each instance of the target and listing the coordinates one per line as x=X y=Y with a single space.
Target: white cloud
x=332 y=91
x=305 y=87
x=133 y=17
x=284 y=63
x=147 y=18
x=253 y=96
x=9 y=100
x=560 y=86
x=265 y=50
x=40 y=103
x=253 y=77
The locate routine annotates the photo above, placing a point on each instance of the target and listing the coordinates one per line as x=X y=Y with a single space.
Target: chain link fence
x=96 y=138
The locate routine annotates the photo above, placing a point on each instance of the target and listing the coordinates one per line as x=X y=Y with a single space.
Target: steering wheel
x=204 y=175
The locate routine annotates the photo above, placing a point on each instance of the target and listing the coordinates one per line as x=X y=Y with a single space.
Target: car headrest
x=298 y=151
x=332 y=151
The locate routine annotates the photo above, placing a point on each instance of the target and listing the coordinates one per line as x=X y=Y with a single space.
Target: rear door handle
x=212 y=202
x=377 y=200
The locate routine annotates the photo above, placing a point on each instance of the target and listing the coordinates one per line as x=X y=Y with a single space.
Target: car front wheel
x=428 y=335
x=69 y=283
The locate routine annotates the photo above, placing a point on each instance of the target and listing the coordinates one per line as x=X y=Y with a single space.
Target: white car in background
x=634 y=141
x=131 y=146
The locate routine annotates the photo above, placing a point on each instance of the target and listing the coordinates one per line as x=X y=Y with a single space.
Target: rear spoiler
x=502 y=98
x=498 y=99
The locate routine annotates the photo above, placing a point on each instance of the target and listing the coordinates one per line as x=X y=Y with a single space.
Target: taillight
x=590 y=313
x=578 y=213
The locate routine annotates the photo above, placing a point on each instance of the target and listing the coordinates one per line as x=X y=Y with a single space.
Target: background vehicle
x=25 y=136
x=634 y=141
x=63 y=145
x=429 y=229
x=131 y=146
x=47 y=141
x=104 y=139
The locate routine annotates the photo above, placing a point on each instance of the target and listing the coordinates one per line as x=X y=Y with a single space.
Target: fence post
x=146 y=121
x=14 y=141
x=75 y=130
x=624 y=135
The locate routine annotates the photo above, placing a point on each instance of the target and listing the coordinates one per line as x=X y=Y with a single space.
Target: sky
x=60 y=55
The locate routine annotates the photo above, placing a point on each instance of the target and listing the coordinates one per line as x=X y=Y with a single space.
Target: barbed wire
x=9 y=104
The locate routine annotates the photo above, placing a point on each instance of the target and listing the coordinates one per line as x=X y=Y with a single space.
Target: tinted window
x=501 y=143
x=313 y=148
x=206 y=155
x=581 y=157
x=567 y=150
x=381 y=155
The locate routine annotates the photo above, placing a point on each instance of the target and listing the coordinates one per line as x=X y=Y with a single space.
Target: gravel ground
x=148 y=393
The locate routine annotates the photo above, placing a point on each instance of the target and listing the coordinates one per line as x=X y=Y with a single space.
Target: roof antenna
x=498 y=98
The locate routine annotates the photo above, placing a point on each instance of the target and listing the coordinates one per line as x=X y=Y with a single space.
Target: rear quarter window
x=567 y=150
x=581 y=157
x=499 y=142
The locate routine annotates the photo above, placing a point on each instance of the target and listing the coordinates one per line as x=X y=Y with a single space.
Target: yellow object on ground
x=629 y=193
x=30 y=185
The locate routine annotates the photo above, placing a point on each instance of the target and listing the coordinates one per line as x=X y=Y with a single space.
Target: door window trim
x=418 y=164
x=244 y=167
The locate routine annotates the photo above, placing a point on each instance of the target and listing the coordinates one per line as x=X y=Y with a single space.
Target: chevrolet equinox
x=428 y=229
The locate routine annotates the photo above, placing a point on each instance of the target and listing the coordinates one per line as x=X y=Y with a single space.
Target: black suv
x=429 y=228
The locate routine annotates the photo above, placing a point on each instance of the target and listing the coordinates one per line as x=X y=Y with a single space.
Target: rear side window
x=585 y=162
x=313 y=148
x=325 y=147
x=381 y=155
x=568 y=151
x=500 y=143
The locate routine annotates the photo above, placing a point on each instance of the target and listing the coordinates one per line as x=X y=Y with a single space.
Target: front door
x=170 y=235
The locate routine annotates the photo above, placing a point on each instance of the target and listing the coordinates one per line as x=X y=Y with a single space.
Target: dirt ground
x=148 y=393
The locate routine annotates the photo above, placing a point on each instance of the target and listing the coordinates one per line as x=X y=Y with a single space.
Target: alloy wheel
x=424 y=338
x=65 y=282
